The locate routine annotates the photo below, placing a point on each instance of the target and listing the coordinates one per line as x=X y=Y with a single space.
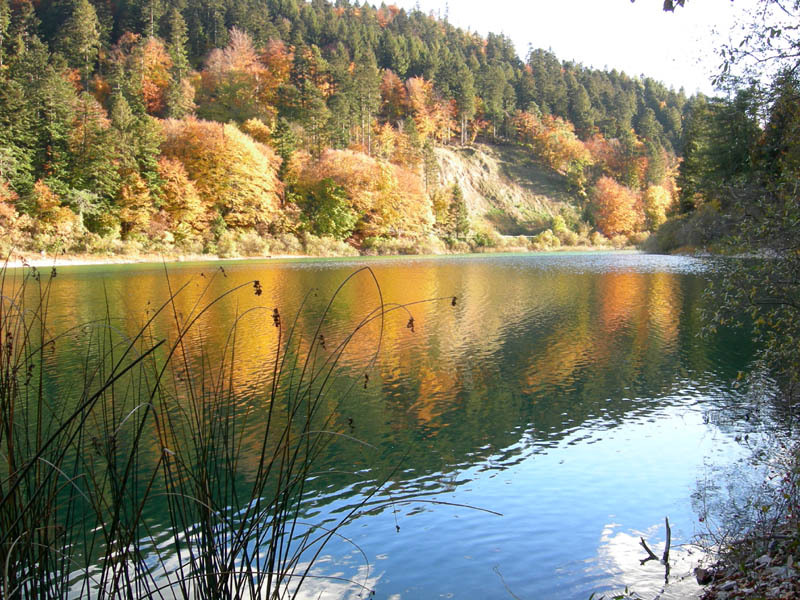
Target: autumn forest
x=274 y=126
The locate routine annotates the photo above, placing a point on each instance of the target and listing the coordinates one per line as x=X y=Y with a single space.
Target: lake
x=531 y=420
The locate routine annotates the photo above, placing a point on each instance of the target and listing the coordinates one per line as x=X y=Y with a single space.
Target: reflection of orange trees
x=637 y=301
x=663 y=306
x=491 y=308
x=622 y=300
x=557 y=358
x=438 y=387
x=637 y=314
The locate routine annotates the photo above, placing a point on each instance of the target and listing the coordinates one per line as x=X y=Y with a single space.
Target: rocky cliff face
x=505 y=188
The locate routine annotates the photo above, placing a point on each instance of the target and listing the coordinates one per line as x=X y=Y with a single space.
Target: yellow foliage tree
x=156 y=64
x=390 y=199
x=277 y=58
x=553 y=139
x=50 y=218
x=386 y=141
x=258 y=130
x=12 y=223
x=135 y=205
x=559 y=146
x=237 y=83
x=394 y=97
x=182 y=207
x=434 y=118
x=528 y=127
x=617 y=209
x=606 y=155
x=148 y=63
x=233 y=174
x=656 y=202
x=421 y=102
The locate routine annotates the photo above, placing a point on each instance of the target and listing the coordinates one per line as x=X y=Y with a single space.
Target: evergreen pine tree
x=80 y=39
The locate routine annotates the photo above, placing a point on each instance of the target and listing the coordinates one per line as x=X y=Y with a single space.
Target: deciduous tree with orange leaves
x=183 y=210
x=236 y=84
x=617 y=209
x=389 y=199
x=52 y=220
x=233 y=174
x=394 y=98
x=156 y=64
x=12 y=222
x=135 y=205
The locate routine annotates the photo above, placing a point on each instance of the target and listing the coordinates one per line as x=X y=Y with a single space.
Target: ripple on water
x=570 y=393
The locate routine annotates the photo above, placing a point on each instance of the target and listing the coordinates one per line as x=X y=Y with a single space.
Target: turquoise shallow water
x=571 y=394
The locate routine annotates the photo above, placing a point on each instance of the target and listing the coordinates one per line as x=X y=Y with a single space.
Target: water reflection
x=564 y=392
x=619 y=559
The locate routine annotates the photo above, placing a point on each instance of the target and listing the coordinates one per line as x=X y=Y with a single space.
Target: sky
x=638 y=38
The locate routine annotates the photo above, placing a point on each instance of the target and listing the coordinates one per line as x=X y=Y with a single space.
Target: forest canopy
x=151 y=124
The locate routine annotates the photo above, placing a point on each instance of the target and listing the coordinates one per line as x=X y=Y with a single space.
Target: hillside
x=505 y=188
x=233 y=128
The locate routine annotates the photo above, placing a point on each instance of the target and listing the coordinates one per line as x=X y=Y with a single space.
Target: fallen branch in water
x=650 y=554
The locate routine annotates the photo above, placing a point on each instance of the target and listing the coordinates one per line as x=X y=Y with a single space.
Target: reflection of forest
x=526 y=351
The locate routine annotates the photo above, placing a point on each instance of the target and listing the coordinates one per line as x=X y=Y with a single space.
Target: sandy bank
x=74 y=260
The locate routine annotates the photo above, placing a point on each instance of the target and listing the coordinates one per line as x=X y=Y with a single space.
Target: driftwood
x=651 y=555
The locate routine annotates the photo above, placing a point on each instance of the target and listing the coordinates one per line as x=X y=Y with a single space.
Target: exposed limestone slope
x=504 y=187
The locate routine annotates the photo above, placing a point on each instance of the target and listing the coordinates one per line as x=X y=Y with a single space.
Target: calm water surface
x=569 y=393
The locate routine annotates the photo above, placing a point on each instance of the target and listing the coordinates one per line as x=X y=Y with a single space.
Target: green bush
x=326 y=210
x=704 y=228
x=546 y=240
x=558 y=225
x=638 y=238
x=484 y=239
x=227 y=246
x=619 y=242
x=430 y=245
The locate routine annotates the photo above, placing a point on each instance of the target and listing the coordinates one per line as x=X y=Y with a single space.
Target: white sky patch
x=678 y=49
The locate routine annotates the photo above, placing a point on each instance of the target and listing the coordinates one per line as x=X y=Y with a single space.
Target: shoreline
x=80 y=260
x=20 y=260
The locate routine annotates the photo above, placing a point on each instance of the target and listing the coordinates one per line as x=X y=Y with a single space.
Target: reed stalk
x=79 y=465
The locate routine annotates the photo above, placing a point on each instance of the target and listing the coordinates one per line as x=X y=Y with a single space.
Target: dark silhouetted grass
x=150 y=423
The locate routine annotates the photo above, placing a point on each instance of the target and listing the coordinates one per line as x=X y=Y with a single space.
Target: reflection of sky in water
x=566 y=392
x=557 y=504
